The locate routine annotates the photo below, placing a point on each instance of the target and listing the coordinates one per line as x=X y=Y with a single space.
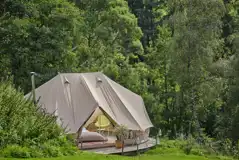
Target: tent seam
x=86 y=85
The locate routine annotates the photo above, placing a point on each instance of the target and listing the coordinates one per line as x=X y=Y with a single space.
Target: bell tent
x=78 y=98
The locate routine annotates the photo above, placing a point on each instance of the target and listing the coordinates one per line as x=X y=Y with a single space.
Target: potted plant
x=121 y=134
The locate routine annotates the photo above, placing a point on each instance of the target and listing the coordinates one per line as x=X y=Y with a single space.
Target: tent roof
x=75 y=96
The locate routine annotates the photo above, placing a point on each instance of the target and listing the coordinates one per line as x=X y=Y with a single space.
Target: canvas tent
x=75 y=97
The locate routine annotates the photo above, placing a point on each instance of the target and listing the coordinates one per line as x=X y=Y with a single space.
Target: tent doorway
x=100 y=122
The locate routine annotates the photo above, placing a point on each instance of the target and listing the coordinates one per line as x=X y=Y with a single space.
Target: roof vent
x=66 y=80
x=98 y=79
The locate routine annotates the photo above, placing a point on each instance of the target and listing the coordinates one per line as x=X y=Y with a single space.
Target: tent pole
x=33 y=87
x=78 y=136
x=137 y=148
x=81 y=144
x=137 y=142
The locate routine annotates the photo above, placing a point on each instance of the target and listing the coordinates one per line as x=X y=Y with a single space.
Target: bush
x=172 y=143
x=189 y=145
x=51 y=151
x=45 y=150
x=16 y=151
x=28 y=131
x=167 y=147
x=197 y=151
x=36 y=152
x=62 y=145
x=160 y=150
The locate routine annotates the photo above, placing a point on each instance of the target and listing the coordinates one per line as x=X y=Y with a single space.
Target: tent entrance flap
x=99 y=120
x=93 y=117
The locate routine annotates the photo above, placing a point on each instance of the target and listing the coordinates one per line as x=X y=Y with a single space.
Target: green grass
x=166 y=156
x=167 y=150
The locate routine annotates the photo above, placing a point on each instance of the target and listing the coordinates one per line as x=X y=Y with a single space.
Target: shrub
x=26 y=130
x=65 y=146
x=197 y=151
x=172 y=143
x=36 y=152
x=16 y=151
x=71 y=150
x=51 y=151
x=190 y=142
x=167 y=147
x=188 y=146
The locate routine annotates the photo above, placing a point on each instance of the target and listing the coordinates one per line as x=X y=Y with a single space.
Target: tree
x=37 y=36
x=149 y=14
x=109 y=28
x=227 y=121
x=196 y=41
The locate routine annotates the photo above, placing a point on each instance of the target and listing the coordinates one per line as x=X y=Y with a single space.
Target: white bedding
x=84 y=130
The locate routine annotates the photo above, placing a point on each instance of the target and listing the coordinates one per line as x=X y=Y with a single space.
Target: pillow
x=92 y=137
x=84 y=130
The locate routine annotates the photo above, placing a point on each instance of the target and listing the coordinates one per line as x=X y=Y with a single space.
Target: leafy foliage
x=121 y=132
x=26 y=130
x=180 y=55
x=37 y=36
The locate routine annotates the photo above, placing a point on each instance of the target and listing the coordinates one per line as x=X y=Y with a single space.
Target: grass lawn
x=90 y=156
x=167 y=150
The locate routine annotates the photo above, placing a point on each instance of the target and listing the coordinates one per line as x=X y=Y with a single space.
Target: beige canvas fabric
x=75 y=96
